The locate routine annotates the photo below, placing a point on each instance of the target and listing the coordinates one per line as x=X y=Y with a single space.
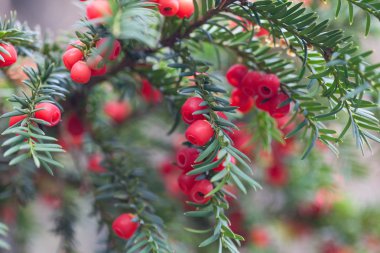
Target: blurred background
x=357 y=180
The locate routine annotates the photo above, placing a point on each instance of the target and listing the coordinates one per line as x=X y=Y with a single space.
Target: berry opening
x=182 y=159
x=265 y=91
x=199 y=196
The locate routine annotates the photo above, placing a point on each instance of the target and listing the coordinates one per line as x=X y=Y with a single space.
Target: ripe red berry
x=97 y=65
x=250 y=83
x=125 y=225
x=109 y=47
x=185 y=9
x=149 y=93
x=186 y=158
x=167 y=167
x=95 y=62
x=10 y=57
x=244 y=102
x=74 y=125
x=48 y=112
x=199 y=132
x=268 y=87
x=200 y=190
x=94 y=163
x=242 y=139
x=263 y=103
x=276 y=175
x=260 y=237
x=262 y=32
x=16 y=119
x=77 y=42
x=98 y=9
x=236 y=73
x=186 y=182
x=118 y=111
x=278 y=109
x=168 y=8
x=80 y=72
x=190 y=106
x=222 y=115
x=72 y=56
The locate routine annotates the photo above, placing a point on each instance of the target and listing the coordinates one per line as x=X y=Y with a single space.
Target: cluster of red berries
x=82 y=67
x=250 y=85
x=9 y=58
x=200 y=130
x=180 y=8
x=125 y=225
x=47 y=112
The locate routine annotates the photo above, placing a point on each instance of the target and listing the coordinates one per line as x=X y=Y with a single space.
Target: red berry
x=168 y=8
x=117 y=111
x=49 y=113
x=74 y=125
x=167 y=168
x=242 y=139
x=185 y=9
x=80 y=72
x=276 y=175
x=94 y=163
x=276 y=111
x=190 y=106
x=109 y=47
x=149 y=93
x=16 y=119
x=250 y=83
x=244 y=102
x=10 y=58
x=236 y=73
x=98 y=9
x=95 y=62
x=77 y=42
x=260 y=237
x=125 y=225
x=186 y=158
x=186 y=182
x=222 y=115
x=200 y=190
x=72 y=56
x=268 y=87
x=199 y=132
x=262 y=32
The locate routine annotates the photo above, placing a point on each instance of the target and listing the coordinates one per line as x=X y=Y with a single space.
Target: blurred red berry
x=16 y=119
x=276 y=175
x=186 y=182
x=251 y=82
x=186 y=158
x=244 y=102
x=109 y=48
x=98 y=9
x=125 y=225
x=94 y=163
x=118 y=111
x=236 y=73
x=199 y=191
x=149 y=93
x=199 y=132
x=260 y=237
x=185 y=9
